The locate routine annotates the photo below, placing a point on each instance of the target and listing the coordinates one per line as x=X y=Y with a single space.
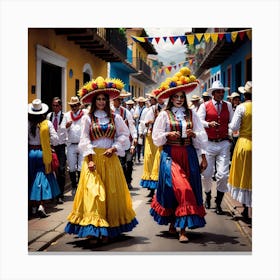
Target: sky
x=168 y=52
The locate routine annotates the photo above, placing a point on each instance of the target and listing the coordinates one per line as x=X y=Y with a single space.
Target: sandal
x=183 y=238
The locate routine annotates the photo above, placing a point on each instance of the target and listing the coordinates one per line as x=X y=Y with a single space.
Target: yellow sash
x=46 y=147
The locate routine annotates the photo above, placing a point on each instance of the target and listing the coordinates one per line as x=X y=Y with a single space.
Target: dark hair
x=58 y=100
x=248 y=95
x=34 y=121
x=170 y=103
x=93 y=107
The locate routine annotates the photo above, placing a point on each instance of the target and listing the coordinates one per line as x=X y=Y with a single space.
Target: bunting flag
x=196 y=38
x=167 y=69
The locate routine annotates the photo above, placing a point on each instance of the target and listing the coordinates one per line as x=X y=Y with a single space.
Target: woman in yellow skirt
x=240 y=177
x=149 y=178
x=102 y=207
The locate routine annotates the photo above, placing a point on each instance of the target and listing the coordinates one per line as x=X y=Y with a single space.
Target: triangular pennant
x=169 y=68
x=221 y=36
x=141 y=39
x=249 y=34
x=183 y=39
x=164 y=38
x=234 y=36
x=150 y=39
x=166 y=70
x=190 y=39
x=228 y=37
x=199 y=36
x=172 y=40
x=175 y=67
x=241 y=34
x=214 y=37
x=207 y=37
x=157 y=39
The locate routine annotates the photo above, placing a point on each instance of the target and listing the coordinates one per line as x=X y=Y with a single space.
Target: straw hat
x=234 y=94
x=124 y=94
x=129 y=102
x=195 y=98
x=74 y=100
x=181 y=81
x=37 y=107
x=110 y=86
x=247 y=88
x=141 y=99
x=217 y=85
x=205 y=94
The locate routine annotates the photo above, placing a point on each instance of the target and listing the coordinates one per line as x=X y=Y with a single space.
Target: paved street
x=227 y=233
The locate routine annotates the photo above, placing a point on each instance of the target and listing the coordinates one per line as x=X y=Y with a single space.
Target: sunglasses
x=101 y=99
x=74 y=106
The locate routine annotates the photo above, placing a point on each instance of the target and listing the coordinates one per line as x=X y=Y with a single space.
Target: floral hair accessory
x=110 y=86
x=181 y=81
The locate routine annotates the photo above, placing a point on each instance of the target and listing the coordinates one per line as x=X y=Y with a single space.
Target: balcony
x=144 y=73
x=216 y=54
x=107 y=44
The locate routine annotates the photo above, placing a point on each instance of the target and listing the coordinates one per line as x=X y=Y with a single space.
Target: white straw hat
x=37 y=107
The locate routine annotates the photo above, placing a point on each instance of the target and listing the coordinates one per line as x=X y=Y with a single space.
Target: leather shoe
x=219 y=210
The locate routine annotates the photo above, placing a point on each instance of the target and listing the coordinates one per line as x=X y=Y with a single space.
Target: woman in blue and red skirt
x=178 y=199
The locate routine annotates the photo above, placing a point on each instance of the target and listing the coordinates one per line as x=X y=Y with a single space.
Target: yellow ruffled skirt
x=240 y=176
x=102 y=204
x=149 y=158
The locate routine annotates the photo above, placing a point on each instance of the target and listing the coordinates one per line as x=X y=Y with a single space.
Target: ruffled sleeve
x=85 y=144
x=121 y=141
x=201 y=139
x=160 y=130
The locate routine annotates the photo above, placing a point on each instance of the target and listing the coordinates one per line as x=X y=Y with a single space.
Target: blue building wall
x=220 y=71
x=120 y=71
x=238 y=56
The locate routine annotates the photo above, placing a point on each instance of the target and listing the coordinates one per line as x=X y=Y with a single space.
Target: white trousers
x=218 y=153
x=74 y=158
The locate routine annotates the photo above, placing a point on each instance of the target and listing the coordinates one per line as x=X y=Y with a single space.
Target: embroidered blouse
x=162 y=127
x=121 y=137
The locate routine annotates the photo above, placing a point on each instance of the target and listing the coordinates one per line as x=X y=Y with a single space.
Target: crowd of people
x=184 y=143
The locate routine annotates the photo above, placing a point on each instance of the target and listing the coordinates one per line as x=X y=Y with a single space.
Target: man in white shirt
x=59 y=121
x=127 y=160
x=73 y=126
x=139 y=115
x=216 y=115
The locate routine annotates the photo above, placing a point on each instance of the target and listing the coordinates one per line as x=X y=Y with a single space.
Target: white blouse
x=162 y=127
x=237 y=117
x=36 y=140
x=120 y=142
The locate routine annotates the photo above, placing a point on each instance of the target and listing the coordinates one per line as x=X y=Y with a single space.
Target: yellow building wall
x=59 y=44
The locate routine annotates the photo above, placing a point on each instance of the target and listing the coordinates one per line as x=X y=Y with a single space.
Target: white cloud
x=168 y=52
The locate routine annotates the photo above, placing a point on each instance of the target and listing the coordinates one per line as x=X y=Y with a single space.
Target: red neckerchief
x=78 y=117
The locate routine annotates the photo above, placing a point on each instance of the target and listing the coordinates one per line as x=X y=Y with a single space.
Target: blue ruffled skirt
x=41 y=186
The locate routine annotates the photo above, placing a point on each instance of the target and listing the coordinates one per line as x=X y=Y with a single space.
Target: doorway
x=50 y=82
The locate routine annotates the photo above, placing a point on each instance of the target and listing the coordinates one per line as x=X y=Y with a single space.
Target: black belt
x=74 y=143
x=218 y=139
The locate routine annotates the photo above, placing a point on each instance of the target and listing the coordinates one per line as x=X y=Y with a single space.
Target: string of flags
x=167 y=69
x=196 y=38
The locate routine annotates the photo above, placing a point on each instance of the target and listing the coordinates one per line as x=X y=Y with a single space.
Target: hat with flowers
x=181 y=81
x=110 y=86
